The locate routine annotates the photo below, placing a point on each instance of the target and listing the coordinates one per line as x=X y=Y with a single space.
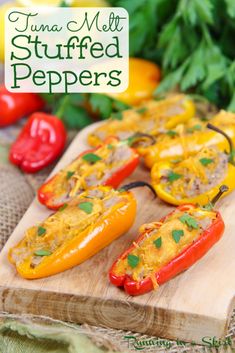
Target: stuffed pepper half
x=77 y=231
x=108 y=164
x=168 y=247
x=153 y=117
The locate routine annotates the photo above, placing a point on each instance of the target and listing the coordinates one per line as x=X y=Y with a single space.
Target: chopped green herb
x=159 y=97
x=158 y=242
x=91 y=157
x=189 y=221
x=41 y=231
x=69 y=175
x=197 y=127
x=86 y=206
x=175 y=161
x=206 y=161
x=42 y=252
x=62 y=208
x=133 y=260
x=110 y=146
x=204 y=118
x=172 y=176
x=171 y=133
x=117 y=116
x=141 y=110
x=176 y=234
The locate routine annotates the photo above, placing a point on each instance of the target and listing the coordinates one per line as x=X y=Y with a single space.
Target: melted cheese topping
x=66 y=224
x=152 y=258
x=198 y=173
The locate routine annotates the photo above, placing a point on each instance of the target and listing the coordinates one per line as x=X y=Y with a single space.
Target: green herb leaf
x=189 y=221
x=110 y=146
x=172 y=176
x=42 y=252
x=69 y=174
x=197 y=127
x=206 y=161
x=141 y=110
x=91 y=157
x=101 y=104
x=177 y=234
x=158 y=242
x=133 y=260
x=171 y=133
x=86 y=207
x=76 y=117
x=175 y=161
x=62 y=208
x=41 y=231
x=117 y=116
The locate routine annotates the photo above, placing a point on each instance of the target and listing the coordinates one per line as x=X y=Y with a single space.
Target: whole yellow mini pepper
x=144 y=77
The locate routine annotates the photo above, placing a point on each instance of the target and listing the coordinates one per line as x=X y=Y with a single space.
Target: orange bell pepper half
x=77 y=231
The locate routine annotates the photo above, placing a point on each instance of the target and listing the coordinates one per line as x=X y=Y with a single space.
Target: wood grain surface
x=195 y=304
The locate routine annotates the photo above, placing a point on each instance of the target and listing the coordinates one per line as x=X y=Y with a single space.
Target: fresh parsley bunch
x=192 y=40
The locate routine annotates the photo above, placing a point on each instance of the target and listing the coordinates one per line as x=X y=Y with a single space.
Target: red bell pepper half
x=112 y=162
x=186 y=258
x=40 y=142
x=14 y=106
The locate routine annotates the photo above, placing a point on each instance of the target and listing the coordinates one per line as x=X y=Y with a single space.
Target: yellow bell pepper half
x=188 y=139
x=195 y=180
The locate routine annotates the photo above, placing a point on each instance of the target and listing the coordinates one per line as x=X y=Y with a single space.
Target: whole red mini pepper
x=40 y=142
x=180 y=263
x=14 y=106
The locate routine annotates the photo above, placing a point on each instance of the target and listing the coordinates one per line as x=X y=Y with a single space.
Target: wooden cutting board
x=195 y=304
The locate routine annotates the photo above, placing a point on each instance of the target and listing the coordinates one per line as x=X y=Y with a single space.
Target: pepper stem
x=230 y=142
x=138 y=184
x=138 y=136
x=222 y=190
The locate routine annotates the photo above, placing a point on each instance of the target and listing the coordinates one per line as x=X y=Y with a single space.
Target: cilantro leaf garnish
x=175 y=161
x=189 y=221
x=41 y=231
x=172 y=176
x=171 y=133
x=141 y=110
x=206 y=161
x=42 y=252
x=158 y=242
x=62 y=208
x=69 y=174
x=117 y=116
x=110 y=146
x=86 y=206
x=133 y=260
x=196 y=127
x=91 y=157
x=177 y=234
